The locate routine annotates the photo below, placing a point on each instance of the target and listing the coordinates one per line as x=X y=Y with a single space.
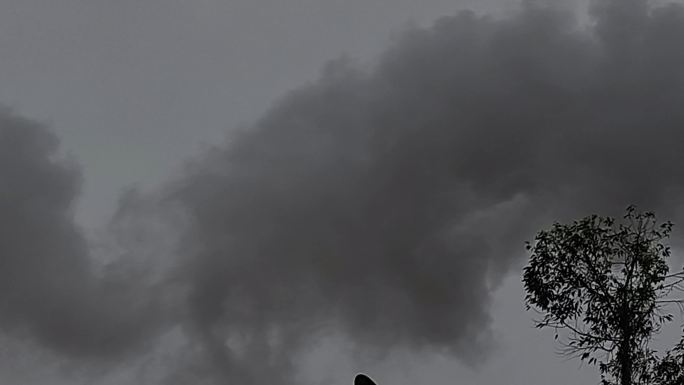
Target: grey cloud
x=49 y=288
x=387 y=204
x=383 y=205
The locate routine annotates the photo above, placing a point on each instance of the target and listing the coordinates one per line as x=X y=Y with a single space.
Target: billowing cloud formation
x=381 y=205
x=385 y=204
x=49 y=289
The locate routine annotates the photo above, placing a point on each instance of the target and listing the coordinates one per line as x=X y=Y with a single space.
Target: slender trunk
x=625 y=361
x=625 y=354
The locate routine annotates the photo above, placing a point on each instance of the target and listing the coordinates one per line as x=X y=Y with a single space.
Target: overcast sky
x=289 y=192
x=160 y=78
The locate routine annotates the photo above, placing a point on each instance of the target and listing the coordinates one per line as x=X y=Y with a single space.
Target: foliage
x=607 y=285
x=670 y=369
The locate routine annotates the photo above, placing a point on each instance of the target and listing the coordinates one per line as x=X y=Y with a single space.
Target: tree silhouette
x=608 y=288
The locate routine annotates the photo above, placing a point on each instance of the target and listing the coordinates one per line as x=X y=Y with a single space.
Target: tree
x=608 y=288
x=670 y=369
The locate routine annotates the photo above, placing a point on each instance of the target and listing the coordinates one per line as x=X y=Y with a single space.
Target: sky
x=109 y=75
x=290 y=192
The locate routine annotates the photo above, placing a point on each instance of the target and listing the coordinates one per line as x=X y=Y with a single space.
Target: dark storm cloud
x=387 y=204
x=48 y=286
x=383 y=205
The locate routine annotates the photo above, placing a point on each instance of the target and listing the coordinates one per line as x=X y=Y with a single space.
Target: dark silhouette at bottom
x=362 y=379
